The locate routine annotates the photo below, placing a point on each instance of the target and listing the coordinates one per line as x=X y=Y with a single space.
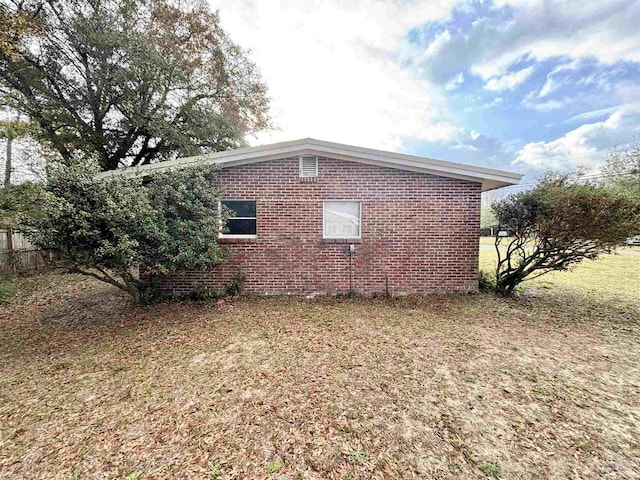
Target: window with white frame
x=342 y=219
x=242 y=221
x=308 y=166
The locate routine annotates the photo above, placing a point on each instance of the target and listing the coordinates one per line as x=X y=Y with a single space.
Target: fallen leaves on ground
x=546 y=385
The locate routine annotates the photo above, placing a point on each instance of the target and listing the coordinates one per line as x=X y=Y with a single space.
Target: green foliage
x=12 y=129
x=236 y=286
x=486 y=281
x=358 y=457
x=214 y=471
x=202 y=293
x=469 y=378
x=557 y=224
x=490 y=469
x=7 y=290
x=622 y=170
x=129 y=82
x=275 y=467
x=166 y=223
x=16 y=200
x=14 y=26
x=487 y=217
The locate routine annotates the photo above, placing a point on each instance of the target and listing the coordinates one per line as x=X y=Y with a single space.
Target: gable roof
x=488 y=177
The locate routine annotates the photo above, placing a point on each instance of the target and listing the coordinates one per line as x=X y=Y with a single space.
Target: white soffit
x=488 y=177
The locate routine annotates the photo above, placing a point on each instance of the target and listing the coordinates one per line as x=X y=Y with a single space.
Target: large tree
x=557 y=224
x=129 y=82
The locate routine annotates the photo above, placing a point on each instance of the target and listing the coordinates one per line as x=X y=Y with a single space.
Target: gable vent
x=308 y=166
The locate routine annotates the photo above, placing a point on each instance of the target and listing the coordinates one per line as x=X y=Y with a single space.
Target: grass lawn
x=472 y=386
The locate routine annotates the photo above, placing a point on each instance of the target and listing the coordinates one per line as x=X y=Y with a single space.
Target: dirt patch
x=547 y=385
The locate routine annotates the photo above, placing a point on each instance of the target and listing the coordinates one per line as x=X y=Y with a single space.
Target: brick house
x=312 y=216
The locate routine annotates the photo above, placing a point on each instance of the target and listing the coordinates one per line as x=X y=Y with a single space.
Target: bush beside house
x=557 y=224
x=107 y=228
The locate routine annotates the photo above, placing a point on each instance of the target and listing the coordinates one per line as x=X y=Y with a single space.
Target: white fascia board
x=239 y=156
x=489 y=178
x=401 y=158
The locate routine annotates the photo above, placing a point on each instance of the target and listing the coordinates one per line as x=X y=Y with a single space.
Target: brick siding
x=419 y=232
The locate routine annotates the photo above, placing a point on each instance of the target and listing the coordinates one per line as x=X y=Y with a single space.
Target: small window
x=308 y=166
x=242 y=221
x=342 y=219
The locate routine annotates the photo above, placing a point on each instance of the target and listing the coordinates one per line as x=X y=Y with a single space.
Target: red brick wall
x=419 y=231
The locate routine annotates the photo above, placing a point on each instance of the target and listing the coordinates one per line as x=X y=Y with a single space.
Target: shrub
x=167 y=222
x=557 y=224
x=486 y=281
x=202 y=293
x=236 y=286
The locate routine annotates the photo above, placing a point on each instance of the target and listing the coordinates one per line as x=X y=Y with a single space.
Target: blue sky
x=520 y=85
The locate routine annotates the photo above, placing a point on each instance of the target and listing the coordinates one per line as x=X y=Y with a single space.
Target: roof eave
x=489 y=178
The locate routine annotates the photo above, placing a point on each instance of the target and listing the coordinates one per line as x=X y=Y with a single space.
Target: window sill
x=308 y=179
x=238 y=239
x=342 y=240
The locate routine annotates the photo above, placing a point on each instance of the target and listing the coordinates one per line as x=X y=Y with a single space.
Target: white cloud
x=588 y=145
x=509 y=81
x=592 y=114
x=440 y=41
x=604 y=31
x=493 y=103
x=576 y=102
x=332 y=72
x=453 y=84
x=546 y=106
x=557 y=78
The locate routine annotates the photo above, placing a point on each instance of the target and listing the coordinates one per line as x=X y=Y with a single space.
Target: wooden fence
x=17 y=255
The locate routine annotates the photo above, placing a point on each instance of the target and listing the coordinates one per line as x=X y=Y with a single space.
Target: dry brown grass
x=547 y=385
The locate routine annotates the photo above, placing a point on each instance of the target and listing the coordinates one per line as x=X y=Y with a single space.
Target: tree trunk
x=7 y=165
x=506 y=283
x=9 y=251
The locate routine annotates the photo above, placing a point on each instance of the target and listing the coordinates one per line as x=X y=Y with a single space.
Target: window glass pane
x=342 y=219
x=241 y=226
x=241 y=208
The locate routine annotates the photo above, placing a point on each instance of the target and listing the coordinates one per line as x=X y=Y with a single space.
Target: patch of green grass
x=358 y=457
x=133 y=476
x=468 y=378
x=546 y=395
x=7 y=290
x=214 y=471
x=47 y=410
x=275 y=467
x=490 y=469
